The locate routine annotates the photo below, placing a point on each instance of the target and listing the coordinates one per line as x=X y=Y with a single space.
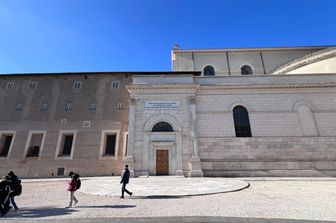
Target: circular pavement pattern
x=168 y=186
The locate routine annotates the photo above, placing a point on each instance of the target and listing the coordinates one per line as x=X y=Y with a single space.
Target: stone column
x=196 y=170
x=179 y=169
x=131 y=134
x=145 y=153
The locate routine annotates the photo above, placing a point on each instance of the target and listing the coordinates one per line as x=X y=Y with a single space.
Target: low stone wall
x=268 y=156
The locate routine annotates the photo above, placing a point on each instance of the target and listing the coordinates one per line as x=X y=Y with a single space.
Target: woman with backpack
x=72 y=187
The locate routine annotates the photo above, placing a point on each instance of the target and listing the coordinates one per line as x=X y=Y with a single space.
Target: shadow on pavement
x=178 y=219
x=39 y=212
x=163 y=197
x=108 y=206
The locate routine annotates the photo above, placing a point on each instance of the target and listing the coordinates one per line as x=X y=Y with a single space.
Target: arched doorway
x=162 y=154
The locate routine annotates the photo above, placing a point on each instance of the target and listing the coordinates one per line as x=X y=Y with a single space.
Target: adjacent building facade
x=220 y=112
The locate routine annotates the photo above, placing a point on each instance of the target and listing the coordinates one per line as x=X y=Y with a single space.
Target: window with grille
x=246 y=70
x=19 y=107
x=241 y=122
x=209 y=71
x=92 y=107
x=44 y=107
x=115 y=84
x=68 y=106
x=120 y=106
x=31 y=85
x=162 y=127
x=10 y=85
x=77 y=85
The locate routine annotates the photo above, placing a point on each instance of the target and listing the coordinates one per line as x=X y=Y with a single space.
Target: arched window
x=241 y=122
x=162 y=127
x=246 y=70
x=209 y=71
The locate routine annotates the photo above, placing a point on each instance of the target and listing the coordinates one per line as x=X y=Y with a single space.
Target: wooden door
x=162 y=162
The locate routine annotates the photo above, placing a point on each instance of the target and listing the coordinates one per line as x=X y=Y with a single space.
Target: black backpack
x=17 y=188
x=78 y=184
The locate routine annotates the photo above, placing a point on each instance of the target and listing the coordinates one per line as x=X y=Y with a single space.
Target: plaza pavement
x=171 y=199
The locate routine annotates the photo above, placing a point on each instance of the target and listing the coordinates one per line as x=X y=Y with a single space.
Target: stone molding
x=249 y=50
x=305 y=60
x=267 y=87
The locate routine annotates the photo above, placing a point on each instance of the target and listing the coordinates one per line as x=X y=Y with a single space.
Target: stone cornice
x=305 y=60
x=230 y=88
x=268 y=49
x=159 y=87
x=269 y=87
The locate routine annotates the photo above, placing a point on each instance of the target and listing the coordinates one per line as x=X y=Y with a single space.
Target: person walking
x=72 y=187
x=16 y=188
x=124 y=181
x=5 y=191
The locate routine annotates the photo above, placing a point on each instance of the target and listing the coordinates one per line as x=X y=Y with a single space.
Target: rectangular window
x=115 y=84
x=19 y=107
x=10 y=85
x=77 y=85
x=35 y=144
x=5 y=143
x=110 y=145
x=60 y=171
x=68 y=107
x=120 y=106
x=44 y=107
x=31 y=85
x=92 y=107
x=67 y=145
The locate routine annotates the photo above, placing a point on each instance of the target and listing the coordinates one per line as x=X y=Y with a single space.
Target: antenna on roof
x=176 y=46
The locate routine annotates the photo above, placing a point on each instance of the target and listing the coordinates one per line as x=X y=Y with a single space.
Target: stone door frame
x=155 y=140
x=155 y=146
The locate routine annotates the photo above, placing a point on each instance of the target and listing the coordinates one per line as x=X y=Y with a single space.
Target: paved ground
x=308 y=200
x=159 y=186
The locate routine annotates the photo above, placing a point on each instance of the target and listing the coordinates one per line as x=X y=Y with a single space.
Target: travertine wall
x=292 y=120
x=293 y=128
x=229 y=61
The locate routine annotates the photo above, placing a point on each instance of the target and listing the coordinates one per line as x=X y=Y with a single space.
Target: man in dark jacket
x=124 y=181
x=16 y=188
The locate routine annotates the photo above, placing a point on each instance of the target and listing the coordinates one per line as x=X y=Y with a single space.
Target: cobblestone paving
x=290 y=200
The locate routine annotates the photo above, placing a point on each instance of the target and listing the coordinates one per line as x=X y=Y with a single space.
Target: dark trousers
x=123 y=189
x=11 y=198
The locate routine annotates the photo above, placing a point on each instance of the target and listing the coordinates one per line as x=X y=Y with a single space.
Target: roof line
x=113 y=73
x=254 y=48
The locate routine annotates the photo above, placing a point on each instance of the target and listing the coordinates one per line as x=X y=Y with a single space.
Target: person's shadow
x=39 y=212
x=108 y=206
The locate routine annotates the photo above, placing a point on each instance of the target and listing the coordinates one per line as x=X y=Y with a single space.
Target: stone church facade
x=220 y=112
x=250 y=112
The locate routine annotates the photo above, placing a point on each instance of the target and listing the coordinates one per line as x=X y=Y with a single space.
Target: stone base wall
x=268 y=156
x=31 y=168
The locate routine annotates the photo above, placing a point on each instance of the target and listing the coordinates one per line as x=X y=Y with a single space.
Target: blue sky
x=138 y=35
